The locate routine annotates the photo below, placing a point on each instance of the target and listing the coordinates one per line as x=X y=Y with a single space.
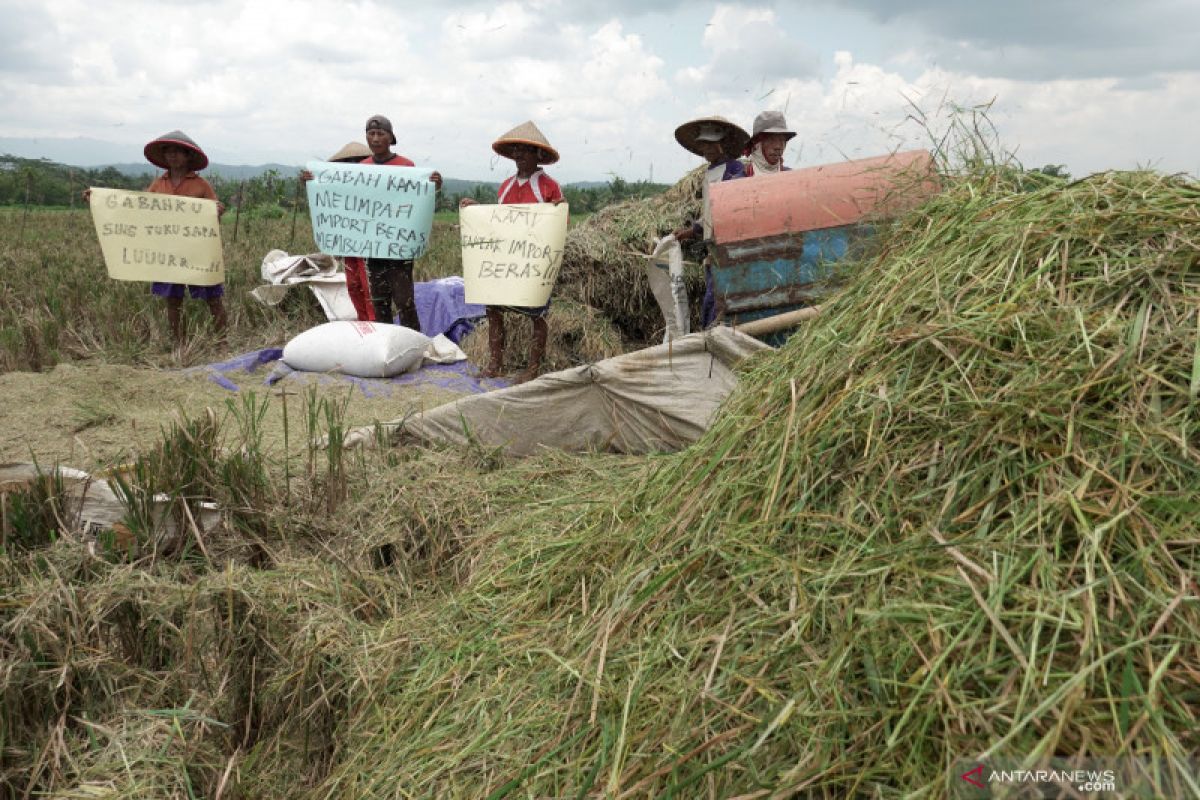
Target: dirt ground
x=96 y=416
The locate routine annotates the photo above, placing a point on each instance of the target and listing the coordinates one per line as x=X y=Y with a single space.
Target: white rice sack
x=362 y=349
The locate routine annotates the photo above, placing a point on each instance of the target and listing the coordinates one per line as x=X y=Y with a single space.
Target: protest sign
x=371 y=211
x=158 y=237
x=511 y=254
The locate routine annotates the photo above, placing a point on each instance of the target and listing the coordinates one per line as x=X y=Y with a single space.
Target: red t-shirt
x=192 y=185
x=394 y=161
x=514 y=191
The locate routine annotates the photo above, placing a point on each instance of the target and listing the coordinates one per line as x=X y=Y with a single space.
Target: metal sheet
x=815 y=198
x=753 y=279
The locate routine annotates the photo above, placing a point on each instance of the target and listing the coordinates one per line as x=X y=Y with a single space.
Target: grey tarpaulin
x=660 y=399
x=90 y=502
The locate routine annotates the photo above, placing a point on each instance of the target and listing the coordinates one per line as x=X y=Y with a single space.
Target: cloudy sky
x=1087 y=84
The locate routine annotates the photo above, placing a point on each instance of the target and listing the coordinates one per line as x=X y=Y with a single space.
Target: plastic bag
x=362 y=349
x=665 y=273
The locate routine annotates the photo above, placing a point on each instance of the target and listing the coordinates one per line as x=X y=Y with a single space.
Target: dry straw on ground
x=578 y=335
x=953 y=518
x=605 y=258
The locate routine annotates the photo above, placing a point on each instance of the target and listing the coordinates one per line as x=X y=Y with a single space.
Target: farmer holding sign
x=182 y=158
x=528 y=147
x=390 y=278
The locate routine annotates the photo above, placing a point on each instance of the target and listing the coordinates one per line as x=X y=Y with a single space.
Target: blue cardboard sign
x=371 y=211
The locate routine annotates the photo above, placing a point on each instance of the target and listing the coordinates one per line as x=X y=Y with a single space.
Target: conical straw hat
x=734 y=141
x=352 y=152
x=154 y=150
x=526 y=133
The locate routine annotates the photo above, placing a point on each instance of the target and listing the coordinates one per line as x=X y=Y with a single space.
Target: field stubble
x=952 y=518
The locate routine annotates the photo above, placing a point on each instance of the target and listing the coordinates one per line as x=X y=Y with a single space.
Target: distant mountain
x=91 y=153
x=460 y=186
x=231 y=172
x=79 y=151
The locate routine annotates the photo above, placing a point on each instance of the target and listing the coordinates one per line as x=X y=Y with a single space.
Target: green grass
x=59 y=304
x=953 y=518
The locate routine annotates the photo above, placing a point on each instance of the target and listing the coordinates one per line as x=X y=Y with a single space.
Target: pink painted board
x=821 y=197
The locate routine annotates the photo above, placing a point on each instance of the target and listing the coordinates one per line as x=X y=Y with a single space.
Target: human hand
x=305 y=175
x=436 y=177
x=683 y=233
x=220 y=208
x=559 y=201
x=87 y=195
x=467 y=201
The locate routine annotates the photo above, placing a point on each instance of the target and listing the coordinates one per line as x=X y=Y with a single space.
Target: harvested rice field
x=950 y=523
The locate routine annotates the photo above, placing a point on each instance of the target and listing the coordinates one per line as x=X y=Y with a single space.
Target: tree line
x=38 y=182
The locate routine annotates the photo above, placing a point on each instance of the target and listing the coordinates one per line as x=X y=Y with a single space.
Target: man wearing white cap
x=767 y=144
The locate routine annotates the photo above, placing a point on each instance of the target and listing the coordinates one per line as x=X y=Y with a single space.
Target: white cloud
x=749 y=54
x=1046 y=39
x=284 y=81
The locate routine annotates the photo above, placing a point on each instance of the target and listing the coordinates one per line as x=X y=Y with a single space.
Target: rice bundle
x=605 y=258
x=578 y=335
x=952 y=519
x=955 y=519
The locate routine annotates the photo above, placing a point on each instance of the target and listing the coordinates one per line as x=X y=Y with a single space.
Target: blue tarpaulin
x=263 y=368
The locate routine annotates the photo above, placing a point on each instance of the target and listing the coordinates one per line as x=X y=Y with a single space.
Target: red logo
x=978 y=771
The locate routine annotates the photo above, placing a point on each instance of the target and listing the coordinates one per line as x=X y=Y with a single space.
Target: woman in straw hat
x=767 y=143
x=528 y=148
x=182 y=158
x=357 y=285
x=719 y=142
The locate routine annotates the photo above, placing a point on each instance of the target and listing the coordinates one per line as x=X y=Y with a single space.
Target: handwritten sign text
x=512 y=253
x=158 y=237
x=371 y=211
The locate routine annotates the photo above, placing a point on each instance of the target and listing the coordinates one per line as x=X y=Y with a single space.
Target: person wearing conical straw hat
x=357 y=285
x=528 y=147
x=351 y=153
x=719 y=142
x=182 y=158
x=767 y=142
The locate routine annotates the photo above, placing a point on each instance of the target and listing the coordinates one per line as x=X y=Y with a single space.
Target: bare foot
x=525 y=375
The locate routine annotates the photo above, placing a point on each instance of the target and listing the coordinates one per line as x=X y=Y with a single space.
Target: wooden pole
x=238 y=214
x=758 y=327
x=295 y=209
x=25 y=216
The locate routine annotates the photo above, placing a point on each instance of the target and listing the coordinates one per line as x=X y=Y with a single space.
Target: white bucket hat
x=769 y=122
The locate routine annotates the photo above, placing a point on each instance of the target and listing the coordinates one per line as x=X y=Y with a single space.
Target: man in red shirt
x=390 y=279
x=528 y=148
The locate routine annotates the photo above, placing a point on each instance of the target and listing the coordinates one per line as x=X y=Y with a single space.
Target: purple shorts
x=195 y=292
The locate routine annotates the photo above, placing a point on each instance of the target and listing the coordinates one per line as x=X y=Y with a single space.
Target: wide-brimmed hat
x=769 y=122
x=526 y=133
x=351 y=151
x=154 y=150
x=712 y=129
x=379 y=121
